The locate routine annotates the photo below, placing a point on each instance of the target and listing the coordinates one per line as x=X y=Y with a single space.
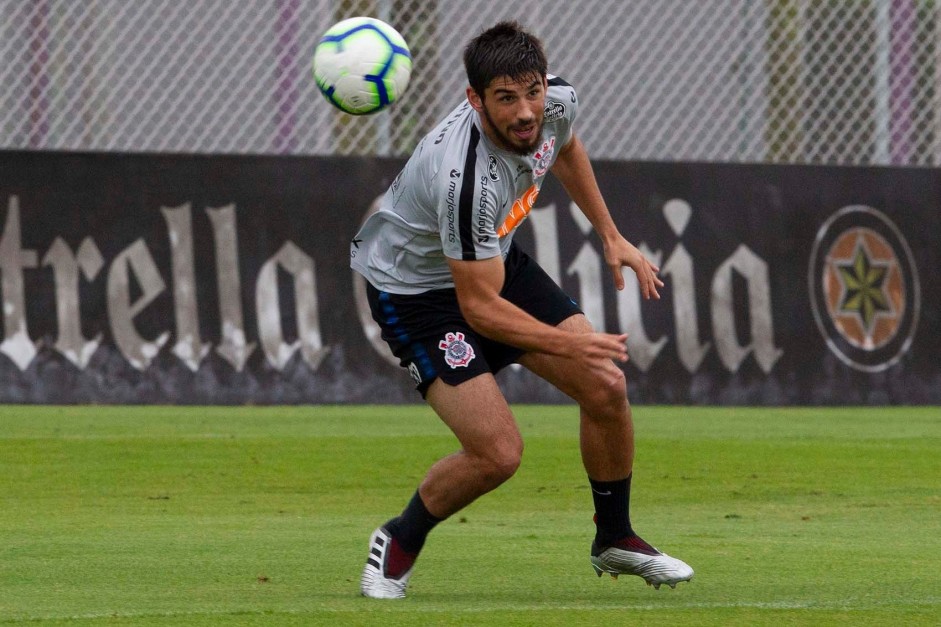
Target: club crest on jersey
x=457 y=352
x=542 y=158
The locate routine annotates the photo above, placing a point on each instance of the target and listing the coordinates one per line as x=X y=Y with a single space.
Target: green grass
x=260 y=516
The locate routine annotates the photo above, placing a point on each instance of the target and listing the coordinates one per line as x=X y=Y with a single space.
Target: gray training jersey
x=459 y=196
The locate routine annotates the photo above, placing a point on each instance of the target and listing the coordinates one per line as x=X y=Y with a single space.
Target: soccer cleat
x=633 y=556
x=387 y=569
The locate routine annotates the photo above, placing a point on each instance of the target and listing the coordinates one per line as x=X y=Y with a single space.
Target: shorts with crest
x=432 y=340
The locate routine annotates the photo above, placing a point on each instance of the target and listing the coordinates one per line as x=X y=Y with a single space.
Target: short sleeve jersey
x=459 y=196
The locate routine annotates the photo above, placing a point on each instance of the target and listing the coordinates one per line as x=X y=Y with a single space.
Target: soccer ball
x=362 y=65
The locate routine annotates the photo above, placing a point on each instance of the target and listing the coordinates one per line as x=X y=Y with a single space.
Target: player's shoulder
x=561 y=99
x=559 y=87
x=448 y=144
x=453 y=128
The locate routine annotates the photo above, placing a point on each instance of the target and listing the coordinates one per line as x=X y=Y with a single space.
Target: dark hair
x=503 y=50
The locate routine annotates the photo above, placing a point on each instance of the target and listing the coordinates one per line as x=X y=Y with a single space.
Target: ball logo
x=864 y=288
x=457 y=352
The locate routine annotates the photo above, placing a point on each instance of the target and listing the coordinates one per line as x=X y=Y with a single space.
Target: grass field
x=260 y=516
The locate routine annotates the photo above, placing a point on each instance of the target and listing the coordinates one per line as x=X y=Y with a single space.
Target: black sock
x=412 y=526
x=612 y=509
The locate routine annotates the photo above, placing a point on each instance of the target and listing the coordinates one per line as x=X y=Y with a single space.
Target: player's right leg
x=449 y=363
x=491 y=449
x=491 y=444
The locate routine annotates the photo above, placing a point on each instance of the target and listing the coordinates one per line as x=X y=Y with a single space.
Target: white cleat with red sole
x=376 y=582
x=633 y=556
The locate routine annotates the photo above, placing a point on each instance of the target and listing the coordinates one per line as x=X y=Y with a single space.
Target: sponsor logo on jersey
x=457 y=352
x=455 y=174
x=518 y=212
x=492 y=169
x=452 y=200
x=864 y=288
x=482 y=221
x=554 y=111
x=542 y=158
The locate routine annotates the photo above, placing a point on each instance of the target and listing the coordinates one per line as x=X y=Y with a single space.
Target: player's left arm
x=573 y=169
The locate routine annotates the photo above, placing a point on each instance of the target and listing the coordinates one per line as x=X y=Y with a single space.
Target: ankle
x=398 y=560
x=631 y=542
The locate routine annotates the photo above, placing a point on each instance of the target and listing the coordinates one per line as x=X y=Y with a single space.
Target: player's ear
x=474 y=99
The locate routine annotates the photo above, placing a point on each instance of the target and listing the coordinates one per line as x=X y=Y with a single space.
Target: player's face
x=512 y=112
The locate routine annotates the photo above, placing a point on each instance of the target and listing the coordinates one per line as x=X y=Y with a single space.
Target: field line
x=371 y=607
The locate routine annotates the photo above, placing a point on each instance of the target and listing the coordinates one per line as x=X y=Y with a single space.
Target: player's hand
x=622 y=253
x=595 y=346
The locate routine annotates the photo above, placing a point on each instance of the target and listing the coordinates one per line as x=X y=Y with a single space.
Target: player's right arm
x=478 y=284
x=466 y=201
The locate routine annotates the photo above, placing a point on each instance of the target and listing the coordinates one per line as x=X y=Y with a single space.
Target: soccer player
x=457 y=301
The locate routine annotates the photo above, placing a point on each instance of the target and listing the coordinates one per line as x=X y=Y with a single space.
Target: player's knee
x=502 y=462
x=608 y=391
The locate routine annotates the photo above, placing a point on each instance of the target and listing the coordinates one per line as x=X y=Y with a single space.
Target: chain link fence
x=847 y=82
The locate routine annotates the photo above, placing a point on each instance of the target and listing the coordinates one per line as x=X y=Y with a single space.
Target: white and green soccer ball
x=362 y=65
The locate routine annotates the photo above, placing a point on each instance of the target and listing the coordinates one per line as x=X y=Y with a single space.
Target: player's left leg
x=607 y=447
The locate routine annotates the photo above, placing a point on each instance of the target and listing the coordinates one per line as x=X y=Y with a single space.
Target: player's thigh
x=478 y=414
x=605 y=384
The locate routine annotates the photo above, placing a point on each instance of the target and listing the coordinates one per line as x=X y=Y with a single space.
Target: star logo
x=864 y=283
x=865 y=293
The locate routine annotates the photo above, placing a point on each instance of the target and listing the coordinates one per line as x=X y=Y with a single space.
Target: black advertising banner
x=785 y=284
x=208 y=279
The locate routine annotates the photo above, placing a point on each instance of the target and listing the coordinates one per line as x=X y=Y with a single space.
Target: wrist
x=610 y=237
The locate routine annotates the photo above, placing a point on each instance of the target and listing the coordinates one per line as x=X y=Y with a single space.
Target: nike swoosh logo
x=605 y=493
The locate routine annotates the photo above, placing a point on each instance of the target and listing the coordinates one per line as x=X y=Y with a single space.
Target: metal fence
x=775 y=81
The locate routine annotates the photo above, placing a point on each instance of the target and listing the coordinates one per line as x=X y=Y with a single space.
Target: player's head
x=503 y=50
x=506 y=69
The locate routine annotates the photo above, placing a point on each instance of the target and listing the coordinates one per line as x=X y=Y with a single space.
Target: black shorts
x=431 y=338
